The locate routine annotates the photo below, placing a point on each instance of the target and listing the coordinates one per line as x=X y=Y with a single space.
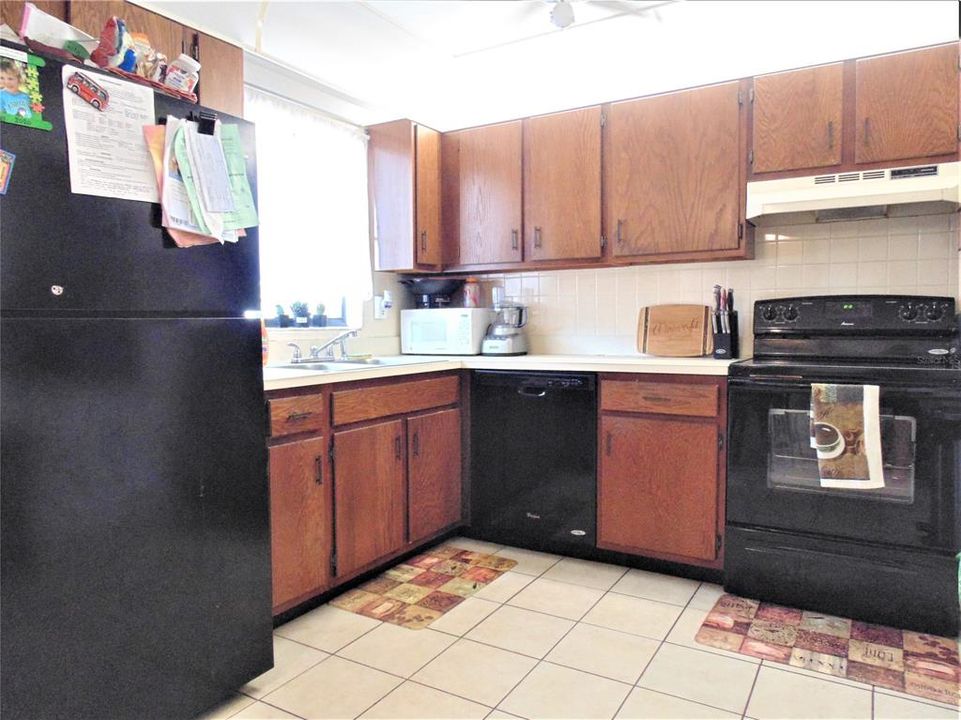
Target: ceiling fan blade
x=628 y=7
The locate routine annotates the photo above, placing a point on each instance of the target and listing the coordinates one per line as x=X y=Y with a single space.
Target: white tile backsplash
x=595 y=311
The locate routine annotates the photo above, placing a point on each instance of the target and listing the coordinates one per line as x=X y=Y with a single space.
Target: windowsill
x=301 y=331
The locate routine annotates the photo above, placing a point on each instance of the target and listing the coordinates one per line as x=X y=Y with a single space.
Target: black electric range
x=884 y=555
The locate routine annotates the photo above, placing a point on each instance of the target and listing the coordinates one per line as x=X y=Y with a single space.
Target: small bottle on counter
x=471 y=293
x=183 y=74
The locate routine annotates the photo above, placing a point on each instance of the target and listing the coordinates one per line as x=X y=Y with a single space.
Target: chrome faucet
x=328 y=347
x=296 y=356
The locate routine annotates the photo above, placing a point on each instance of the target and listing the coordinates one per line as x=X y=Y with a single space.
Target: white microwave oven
x=444 y=331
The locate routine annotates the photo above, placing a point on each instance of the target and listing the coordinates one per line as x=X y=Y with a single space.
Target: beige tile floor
x=553 y=638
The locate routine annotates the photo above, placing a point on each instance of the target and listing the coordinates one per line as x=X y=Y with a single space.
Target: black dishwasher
x=533 y=459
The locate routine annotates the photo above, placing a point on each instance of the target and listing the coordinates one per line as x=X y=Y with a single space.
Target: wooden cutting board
x=675 y=330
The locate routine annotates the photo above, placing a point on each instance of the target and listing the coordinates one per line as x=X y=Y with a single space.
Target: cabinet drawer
x=304 y=413
x=352 y=406
x=659 y=397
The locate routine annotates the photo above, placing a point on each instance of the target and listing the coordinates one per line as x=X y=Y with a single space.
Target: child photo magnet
x=21 y=102
x=6 y=170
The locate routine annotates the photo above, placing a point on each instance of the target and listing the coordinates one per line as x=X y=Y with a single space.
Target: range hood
x=857 y=195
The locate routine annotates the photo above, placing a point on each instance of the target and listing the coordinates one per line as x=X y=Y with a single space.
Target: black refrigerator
x=134 y=507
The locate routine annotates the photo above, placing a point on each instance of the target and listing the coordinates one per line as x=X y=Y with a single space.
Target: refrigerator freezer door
x=134 y=516
x=110 y=256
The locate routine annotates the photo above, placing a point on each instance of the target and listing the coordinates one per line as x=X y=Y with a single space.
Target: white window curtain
x=312 y=193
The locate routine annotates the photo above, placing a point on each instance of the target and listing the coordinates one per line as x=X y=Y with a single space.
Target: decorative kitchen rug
x=923 y=665
x=417 y=592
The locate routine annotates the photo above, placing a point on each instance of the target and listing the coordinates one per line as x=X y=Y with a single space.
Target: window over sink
x=314 y=228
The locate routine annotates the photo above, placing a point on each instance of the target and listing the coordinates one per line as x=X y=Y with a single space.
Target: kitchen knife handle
x=423 y=240
x=620 y=230
x=415 y=441
x=319 y=469
x=830 y=134
x=608 y=442
x=298 y=416
x=537 y=237
x=514 y=239
x=397 y=447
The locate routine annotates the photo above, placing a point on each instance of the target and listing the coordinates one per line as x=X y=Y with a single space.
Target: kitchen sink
x=343 y=365
x=315 y=367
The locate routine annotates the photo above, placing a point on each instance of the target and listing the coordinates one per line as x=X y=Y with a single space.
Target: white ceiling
x=456 y=63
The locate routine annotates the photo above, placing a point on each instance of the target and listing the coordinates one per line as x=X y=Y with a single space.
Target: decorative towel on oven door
x=846 y=433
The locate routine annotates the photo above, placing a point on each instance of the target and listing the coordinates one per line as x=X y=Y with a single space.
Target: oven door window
x=793 y=465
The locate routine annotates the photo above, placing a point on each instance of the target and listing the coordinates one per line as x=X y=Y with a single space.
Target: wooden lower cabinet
x=660 y=485
x=300 y=520
x=369 y=494
x=434 y=472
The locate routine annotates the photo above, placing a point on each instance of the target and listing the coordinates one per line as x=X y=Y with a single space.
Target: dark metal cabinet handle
x=297 y=417
x=620 y=230
x=656 y=398
x=537 y=237
x=513 y=239
x=423 y=240
x=867 y=131
x=416 y=443
x=831 y=134
x=397 y=448
x=608 y=443
x=319 y=469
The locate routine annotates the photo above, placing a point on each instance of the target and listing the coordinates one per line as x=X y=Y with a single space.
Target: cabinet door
x=490 y=181
x=907 y=105
x=434 y=472
x=301 y=524
x=165 y=35
x=11 y=11
x=369 y=493
x=390 y=164
x=673 y=173
x=797 y=119
x=427 y=196
x=562 y=185
x=657 y=489
x=221 y=84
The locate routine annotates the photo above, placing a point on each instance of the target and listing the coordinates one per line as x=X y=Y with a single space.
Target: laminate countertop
x=280 y=378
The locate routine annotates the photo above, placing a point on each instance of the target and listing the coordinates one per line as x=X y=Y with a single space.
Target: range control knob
x=934 y=313
x=790 y=313
x=908 y=312
x=768 y=313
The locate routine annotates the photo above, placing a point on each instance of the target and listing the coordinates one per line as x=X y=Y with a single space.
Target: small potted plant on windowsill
x=301 y=313
x=319 y=319
x=280 y=319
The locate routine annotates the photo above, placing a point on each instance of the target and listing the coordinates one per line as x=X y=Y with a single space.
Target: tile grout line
x=750 y=692
x=659 y=646
x=540 y=660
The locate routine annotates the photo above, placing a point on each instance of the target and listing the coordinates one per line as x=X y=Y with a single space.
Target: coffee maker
x=505 y=335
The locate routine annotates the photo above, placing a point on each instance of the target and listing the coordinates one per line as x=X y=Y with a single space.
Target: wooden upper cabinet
x=485 y=205
x=434 y=472
x=404 y=164
x=673 y=174
x=221 y=84
x=301 y=520
x=666 y=504
x=11 y=11
x=797 y=119
x=907 y=105
x=562 y=185
x=369 y=493
x=427 y=185
x=165 y=35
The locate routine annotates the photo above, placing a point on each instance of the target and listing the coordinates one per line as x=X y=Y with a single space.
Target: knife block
x=726 y=344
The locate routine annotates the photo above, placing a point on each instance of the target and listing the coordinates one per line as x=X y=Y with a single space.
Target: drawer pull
x=514 y=244
x=319 y=469
x=297 y=417
x=416 y=444
x=656 y=398
x=397 y=448
x=608 y=443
